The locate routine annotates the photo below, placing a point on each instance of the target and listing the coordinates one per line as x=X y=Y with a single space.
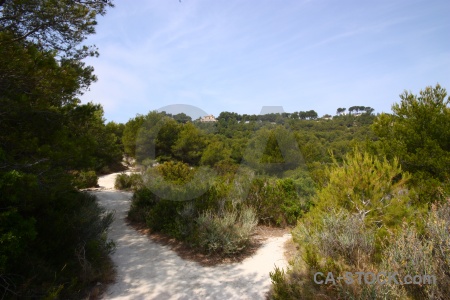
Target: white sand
x=147 y=270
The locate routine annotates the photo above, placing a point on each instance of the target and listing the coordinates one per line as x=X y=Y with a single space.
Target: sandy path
x=147 y=270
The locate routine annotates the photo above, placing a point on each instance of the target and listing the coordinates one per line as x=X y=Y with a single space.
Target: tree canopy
x=54 y=25
x=48 y=142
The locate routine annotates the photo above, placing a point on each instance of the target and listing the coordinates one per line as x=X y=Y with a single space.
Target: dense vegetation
x=384 y=208
x=52 y=237
x=366 y=193
x=209 y=184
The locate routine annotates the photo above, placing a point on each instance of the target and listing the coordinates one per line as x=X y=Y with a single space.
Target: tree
x=340 y=111
x=215 y=152
x=182 y=118
x=130 y=133
x=302 y=115
x=49 y=232
x=311 y=115
x=368 y=110
x=227 y=116
x=116 y=129
x=352 y=109
x=418 y=134
x=273 y=151
x=166 y=139
x=60 y=25
x=189 y=145
x=364 y=185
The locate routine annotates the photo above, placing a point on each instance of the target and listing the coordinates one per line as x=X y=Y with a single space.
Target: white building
x=209 y=118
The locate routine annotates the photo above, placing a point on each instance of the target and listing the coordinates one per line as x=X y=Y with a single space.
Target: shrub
x=365 y=185
x=85 y=179
x=163 y=217
x=276 y=201
x=341 y=236
x=228 y=232
x=412 y=254
x=342 y=242
x=176 y=172
x=141 y=202
x=128 y=182
x=217 y=216
x=61 y=257
x=438 y=231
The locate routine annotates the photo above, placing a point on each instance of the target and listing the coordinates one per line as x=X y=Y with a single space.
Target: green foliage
x=53 y=25
x=189 y=145
x=163 y=216
x=276 y=201
x=128 y=182
x=215 y=215
x=215 y=152
x=71 y=230
x=182 y=118
x=177 y=182
x=417 y=133
x=130 y=133
x=373 y=189
x=273 y=151
x=228 y=232
x=338 y=236
x=151 y=137
x=53 y=238
x=116 y=130
x=85 y=179
x=341 y=243
x=175 y=172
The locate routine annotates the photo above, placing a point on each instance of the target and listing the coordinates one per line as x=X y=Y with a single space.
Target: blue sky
x=240 y=55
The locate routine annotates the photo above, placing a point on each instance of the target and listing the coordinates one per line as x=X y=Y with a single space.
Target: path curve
x=148 y=270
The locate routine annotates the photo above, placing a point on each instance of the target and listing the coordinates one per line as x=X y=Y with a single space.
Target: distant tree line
x=297 y=115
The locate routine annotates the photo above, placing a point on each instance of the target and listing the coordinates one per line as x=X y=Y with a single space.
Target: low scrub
x=423 y=254
x=228 y=232
x=128 y=182
x=277 y=201
x=364 y=221
x=216 y=214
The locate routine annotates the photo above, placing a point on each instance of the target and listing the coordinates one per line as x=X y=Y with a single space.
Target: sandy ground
x=147 y=270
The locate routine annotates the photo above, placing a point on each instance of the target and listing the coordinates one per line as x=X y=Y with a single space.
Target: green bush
x=276 y=201
x=85 y=179
x=198 y=212
x=348 y=230
x=176 y=172
x=163 y=216
x=141 y=202
x=128 y=182
x=367 y=186
x=217 y=216
x=61 y=249
x=228 y=232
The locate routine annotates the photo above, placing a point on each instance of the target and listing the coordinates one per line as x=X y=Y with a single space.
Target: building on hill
x=208 y=118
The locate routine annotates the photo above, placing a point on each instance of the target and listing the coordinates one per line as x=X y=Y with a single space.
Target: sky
x=241 y=55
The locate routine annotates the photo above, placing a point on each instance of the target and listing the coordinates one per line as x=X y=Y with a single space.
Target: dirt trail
x=147 y=270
